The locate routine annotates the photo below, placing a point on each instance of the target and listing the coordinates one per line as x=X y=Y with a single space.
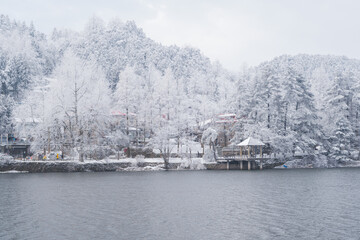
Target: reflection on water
x=270 y=204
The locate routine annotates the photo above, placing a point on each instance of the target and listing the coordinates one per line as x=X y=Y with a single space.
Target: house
x=17 y=143
x=16 y=147
x=129 y=125
x=223 y=124
x=24 y=126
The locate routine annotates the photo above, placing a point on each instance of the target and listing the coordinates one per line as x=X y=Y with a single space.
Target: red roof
x=117 y=113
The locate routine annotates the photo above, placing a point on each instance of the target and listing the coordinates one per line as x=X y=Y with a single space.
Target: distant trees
x=24 y=56
x=6 y=106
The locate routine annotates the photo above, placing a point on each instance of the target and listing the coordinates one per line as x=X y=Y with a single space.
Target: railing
x=244 y=158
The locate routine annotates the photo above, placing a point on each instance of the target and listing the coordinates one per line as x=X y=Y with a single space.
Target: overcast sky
x=231 y=31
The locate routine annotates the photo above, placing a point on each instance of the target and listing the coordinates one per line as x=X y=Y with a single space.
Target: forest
x=85 y=92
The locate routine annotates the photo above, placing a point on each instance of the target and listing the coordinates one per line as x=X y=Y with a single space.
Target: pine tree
x=339 y=104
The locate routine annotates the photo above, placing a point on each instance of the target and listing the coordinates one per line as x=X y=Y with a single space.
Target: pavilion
x=251 y=144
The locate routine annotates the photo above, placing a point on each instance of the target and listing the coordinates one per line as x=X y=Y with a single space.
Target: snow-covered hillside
x=111 y=84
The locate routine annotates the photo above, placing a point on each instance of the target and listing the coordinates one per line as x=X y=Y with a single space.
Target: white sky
x=231 y=31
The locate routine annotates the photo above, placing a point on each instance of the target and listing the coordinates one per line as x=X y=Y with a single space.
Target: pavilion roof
x=251 y=142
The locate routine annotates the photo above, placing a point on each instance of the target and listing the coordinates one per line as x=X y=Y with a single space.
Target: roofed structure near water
x=251 y=142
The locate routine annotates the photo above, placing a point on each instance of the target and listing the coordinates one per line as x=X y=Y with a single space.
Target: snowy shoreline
x=109 y=165
x=133 y=164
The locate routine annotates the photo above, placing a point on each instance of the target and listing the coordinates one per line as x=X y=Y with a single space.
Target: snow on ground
x=5 y=157
x=135 y=160
x=319 y=161
x=14 y=171
x=193 y=164
x=147 y=168
x=145 y=160
x=136 y=164
x=122 y=160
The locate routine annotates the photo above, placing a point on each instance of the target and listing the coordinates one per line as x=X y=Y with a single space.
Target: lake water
x=269 y=204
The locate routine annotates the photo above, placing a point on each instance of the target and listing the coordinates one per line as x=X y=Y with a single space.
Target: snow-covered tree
x=76 y=107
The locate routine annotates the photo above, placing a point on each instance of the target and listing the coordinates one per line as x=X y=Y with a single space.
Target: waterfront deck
x=241 y=158
x=242 y=162
x=254 y=149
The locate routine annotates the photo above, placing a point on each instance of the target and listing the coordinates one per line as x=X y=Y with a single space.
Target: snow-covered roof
x=226 y=118
x=204 y=123
x=33 y=120
x=227 y=115
x=226 y=121
x=251 y=142
x=28 y=120
x=117 y=113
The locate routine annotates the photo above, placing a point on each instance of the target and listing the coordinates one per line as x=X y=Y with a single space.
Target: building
x=16 y=147
x=223 y=125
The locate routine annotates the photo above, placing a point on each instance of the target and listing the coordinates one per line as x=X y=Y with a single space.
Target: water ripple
x=272 y=204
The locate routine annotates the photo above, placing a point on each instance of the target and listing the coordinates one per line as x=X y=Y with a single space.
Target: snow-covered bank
x=318 y=162
x=13 y=171
x=108 y=165
x=154 y=164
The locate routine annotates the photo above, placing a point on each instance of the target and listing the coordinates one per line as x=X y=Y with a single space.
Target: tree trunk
x=166 y=156
x=145 y=128
x=285 y=120
x=127 y=121
x=81 y=154
x=178 y=143
x=136 y=133
x=268 y=118
x=214 y=151
x=76 y=105
x=49 y=149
